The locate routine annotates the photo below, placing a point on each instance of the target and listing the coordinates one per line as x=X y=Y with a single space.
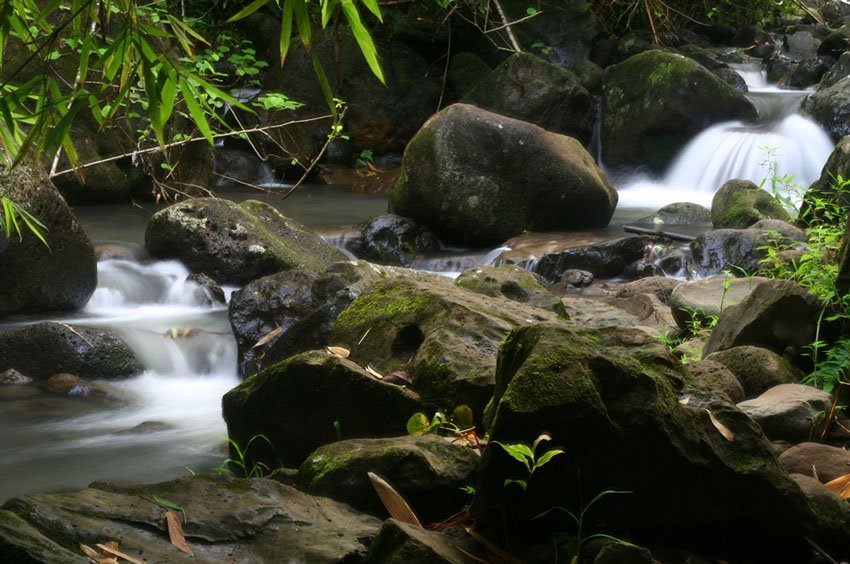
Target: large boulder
x=831 y=108
x=511 y=282
x=789 y=412
x=818 y=460
x=654 y=102
x=697 y=301
x=478 y=178
x=36 y=278
x=612 y=405
x=757 y=369
x=740 y=203
x=41 y=350
x=606 y=259
x=528 y=88
x=741 y=250
x=235 y=243
x=826 y=187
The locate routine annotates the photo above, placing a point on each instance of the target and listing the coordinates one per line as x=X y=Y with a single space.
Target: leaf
x=285 y=30
x=167 y=503
x=372 y=6
x=341 y=352
x=175 y=533
x=396 y=506
x=248 y=10
x=547 y=456
x=398 y=377
x=840 y=485
x=112 y=548
x=462 y=416
x=723 y=429
x=518 y=451
x=90 y=552
x=540 y=438
x=364 y=40
x=189 y=95
x=268 y=337
x=418 y=424
x=374 y=372
x=521 y=483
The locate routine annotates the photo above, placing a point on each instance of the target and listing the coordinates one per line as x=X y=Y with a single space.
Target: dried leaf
x=108 y=549
x=840 y=485
x=339 y=351
x=175 y=533
x=375 y=169
x=398 y=377
x=90 y=552
x=374 y=372
x=723 y=429
x=685 y=400
x=268 y=337
x=181 y=333
x=397 y=507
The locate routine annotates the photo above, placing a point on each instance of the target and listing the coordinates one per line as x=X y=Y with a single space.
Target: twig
x=507 y=26
x=657 y=233
x=315 y=161
x=821 y=551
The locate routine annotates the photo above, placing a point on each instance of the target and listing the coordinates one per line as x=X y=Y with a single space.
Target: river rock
x=466 y=70
x=654 y=102
x=839 y=70
x=678 y=213
x=12 y=377
x=698 y=301
x=711 y=376
x=400 y=543
x=757 y=369
x=607 y=402
x=826 y=187
x=36 y=278
x=818 y=460
x=808 y=73
x=235 y=243
x=831 y=108
x=393 y=240
x=528 y=88
x=76 y=387
x=44 y=349
x=428 y=471
x=778 y=315
x=604 y=260
x=226 y=519
x=659 y=286
x=740 y=203
x=823 y=500
x=740 y=251
x=511 y=282
x=300 y=403
x=789 y=412
x=478 y=178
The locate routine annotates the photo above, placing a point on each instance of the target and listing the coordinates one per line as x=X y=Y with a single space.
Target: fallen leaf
x=339 y=351
x=175 y=533
x=181 y=333
x=398 y=377
x=396 y=505
x=685 y=400
x=108 y=549
x=268 y=337
x=840 y=485
x=723 y=429
x=90 y=552
x=374 y=372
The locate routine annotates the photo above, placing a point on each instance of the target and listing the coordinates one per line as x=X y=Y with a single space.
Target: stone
x=76 y=387
x=14 y=378
x=825 y=187
x=466 y=70
x=739 y=250
x=604 y=260
x=789 y=412
x=740 y=203
x=36 y=278
x=679 y=213
x=826 y=503
x=817 y=460
x=393 y=240
x=401 y=543
x=712 y=376
x=659 y=286
x=830 y=107
x=213 y=292
x=808 y=73
x=698 y=301
x=235 y=243
x=477 y=178
x=757 y=369
x=510 y=282
x=839 y=70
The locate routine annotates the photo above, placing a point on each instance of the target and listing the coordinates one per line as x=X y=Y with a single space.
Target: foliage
x=457 y=423
x=243 y=466
x=10 y=215
x=529 y=457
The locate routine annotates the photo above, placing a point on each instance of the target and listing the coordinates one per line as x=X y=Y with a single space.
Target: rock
x=36 y=278
x=394 y=240
x=214 y=293
x=428 y=471
x=44 y=349
x=621 y=552
x=235 y=243
x=76 y=387
x=239 y=167
x=659 y=286
x=778 y=315
x=300 y=402
x=605 y=260
x=800 y=45
x=740 y=250
x=400 y=543
x=477 y=178
x=711 y=376
x=817 y=460
x=12 y=377
x=808 y=73
x=732 y=78
x=528 y=88
x=655 y=102
x=680 y=213
x=607 y=402
x=825 y=188
x=839 y=70
x=757 y=369
x=466 y=70
x=824 y=502
x=510 y=282
x=228 y=519
x=740 y=203
x=572 y=279
x=831 y=108
x=147 y=427
x=789 y=412
x=643 y=314
x=697 y=301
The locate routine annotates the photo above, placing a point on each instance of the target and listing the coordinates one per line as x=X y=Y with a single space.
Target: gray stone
x=697 y=301
x=817 y=460
x=831 y=108
x=789 y=412
x=511 y=282
x=757 y=369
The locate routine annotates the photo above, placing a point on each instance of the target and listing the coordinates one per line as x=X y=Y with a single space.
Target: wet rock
x=147 y=427
x=604 y=260
x=789 y=412
x=400 y=543
x=817 y=460
x=466 y=70
x=711 y=376
x=800 y=45
x=477 y=178
x=830 y=107
x=679 y=213
x=740 y=203
x=235 y=243
x=757 y=369
x=825 y=502
x=840 y=69
x=213 y=292
x=13 y=378
x=659 y=286
x=698 y=301
x=825 y=187
x=740 y=250
x=76 y=387
x=301 y=402
x=393 y=240
x=428 y=471
x=36 y=278
x=511 y=282
x=808 y=73
x=44 y=349
x=572 y=279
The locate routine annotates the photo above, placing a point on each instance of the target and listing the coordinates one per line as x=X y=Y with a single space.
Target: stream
x=167 y=421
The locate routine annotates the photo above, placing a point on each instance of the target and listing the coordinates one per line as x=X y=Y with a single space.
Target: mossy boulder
x=830 y=107
x=528 y=88
x=612 y=405
x=477 y=178
x=655 y=102
x=740 y=203
x=758 y=369
x=466 y=70
x=36 y=278
x=303 y=403
x=741 y=250
x=513 y=283
x=235 y=243
x=393 y=240
x=429 y=471
x=825 y=191
x=41 y=350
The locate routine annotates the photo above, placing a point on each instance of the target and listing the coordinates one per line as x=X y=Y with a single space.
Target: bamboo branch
x=507 y=26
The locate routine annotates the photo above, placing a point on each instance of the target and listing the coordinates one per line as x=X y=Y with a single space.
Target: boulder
x=604 y=260
x=305 y=401
x=466 y=70
x=528 y=88
x=839 y=70
x=235 y=243
x=679 y=213
x=808 y=73
x=825 y=187
x=659 y=286
x=778 y=315
x=44 y=349
x=608 y=402
x=740 y=250
x=428 y=471
x=817 y=460
x=711 y=376
x=400 y=543
x=36 y=278
x=823 y=501
x=393 y=240
x=831 y=108
x=696 y=302
x=655 y=102
x=641 y=314
x=789 y=412
x=740 y=203
x=75 y=387
x=757 y=369
x=227 y=519
x=511 y=282
x=478 y=178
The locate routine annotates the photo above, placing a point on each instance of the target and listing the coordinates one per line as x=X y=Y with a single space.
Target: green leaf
x=546 y=457
x=285 y=31
x=248 y=10
x=328 y=7
x=521 y=483
x=198 y=116
x=372 y=6
x=518 y=451
x=167 y=503
x=418 y=424
x=323 y=82
x=302 y=20
x=364 y=40
x=462 y=416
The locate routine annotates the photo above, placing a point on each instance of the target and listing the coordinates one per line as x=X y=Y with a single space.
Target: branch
x=507 y=26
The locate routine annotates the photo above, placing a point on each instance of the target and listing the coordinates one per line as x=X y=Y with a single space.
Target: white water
x=53 y=442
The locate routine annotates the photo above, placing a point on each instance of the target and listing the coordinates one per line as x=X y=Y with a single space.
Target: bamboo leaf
x=723 y=429
x=285 y=31
x=302 y=21
x=364 y=40
x=107 y=549
x=248 y=10
x=177 y=23
x=395 y=504
x=341 y=352
x=372 y=6
x=324 y=83
x=268 y=337
x=189 y=94
x=175 y=533
x=328 y=7
x=547 y=456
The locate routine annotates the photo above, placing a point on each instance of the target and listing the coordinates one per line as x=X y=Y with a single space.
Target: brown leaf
x=339 y=351
x=90 y=552
x=180 y=333
x=396 y=505
x=374 y=372
x=112 y=548
x=175 y=532
x=840 y=485
x=723 y=429
x=398 y=377
x=268 y=337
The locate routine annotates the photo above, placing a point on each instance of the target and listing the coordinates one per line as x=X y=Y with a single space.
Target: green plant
x=459 y=423
x=529 y=458
x=12 y=213
x=363 y=158
x=244 y=467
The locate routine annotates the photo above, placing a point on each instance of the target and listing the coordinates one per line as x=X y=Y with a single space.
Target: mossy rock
x=740 y=203
x=513 y=283
x=830 y=107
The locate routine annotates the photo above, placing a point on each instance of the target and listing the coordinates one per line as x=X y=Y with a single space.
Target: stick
x=657 y=233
